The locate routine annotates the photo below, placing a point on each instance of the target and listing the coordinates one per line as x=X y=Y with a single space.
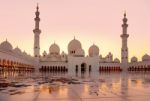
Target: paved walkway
x=104 y=87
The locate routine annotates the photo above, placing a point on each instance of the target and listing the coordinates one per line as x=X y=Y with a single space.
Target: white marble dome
x=54 y=49
x=44 y=53
x=24 y=53
x=134 y=59
x=63 y=53
x=17 y=50
x=116 y=60
x=79 y=52
x=6 y=46
x=93 y=51
x=73 y=46
x=146 y=57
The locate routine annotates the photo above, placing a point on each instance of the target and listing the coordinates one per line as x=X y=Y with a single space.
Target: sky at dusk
x=90 y=21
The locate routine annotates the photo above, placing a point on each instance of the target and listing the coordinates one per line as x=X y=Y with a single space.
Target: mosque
x=13 y=59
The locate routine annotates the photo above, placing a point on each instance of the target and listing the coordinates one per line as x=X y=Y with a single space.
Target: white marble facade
x=74 y=60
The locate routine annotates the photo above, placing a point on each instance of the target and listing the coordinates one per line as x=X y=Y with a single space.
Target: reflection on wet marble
x=108 y=86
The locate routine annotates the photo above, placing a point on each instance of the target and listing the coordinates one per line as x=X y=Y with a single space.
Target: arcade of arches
x=53 y=69
x=10 y=65
x=131 y=68
x=139 y=68
x=107 y=68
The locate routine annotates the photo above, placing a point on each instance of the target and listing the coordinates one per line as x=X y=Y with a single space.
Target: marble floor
x=108 y=86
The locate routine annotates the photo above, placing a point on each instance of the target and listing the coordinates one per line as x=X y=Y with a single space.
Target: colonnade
x=53 y=69
x=10 y=65
x=139 y=68
x=109 y=68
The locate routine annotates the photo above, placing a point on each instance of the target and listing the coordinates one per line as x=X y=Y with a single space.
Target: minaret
x=124 y=36
x=37 y=32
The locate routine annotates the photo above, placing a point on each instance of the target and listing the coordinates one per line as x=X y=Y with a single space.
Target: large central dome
x=73 y=46
x=54 y=49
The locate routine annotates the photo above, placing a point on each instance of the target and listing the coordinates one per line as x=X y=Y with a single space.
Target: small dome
x=134 y=59
x=116 y=60
x=93 y=51
x=17 y=50
x=54 y=49
x=146 y=57
x=63 y=53
x=24 y=53
x=79 y=52
x=6 y=46
x=73 y=46
x=44 y=53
